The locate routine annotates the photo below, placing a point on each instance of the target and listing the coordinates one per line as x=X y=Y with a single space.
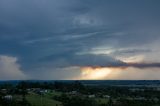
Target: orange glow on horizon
x=96 y=73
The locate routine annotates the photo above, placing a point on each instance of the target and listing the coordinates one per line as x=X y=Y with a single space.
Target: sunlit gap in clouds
x=114 y=72
x=97 y=73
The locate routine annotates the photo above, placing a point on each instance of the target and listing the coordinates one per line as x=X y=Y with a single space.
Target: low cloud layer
x=133 y=73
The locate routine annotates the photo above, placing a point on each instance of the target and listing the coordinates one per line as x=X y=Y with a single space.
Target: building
x=106 y=96
x=8 y=97
x=91 y=96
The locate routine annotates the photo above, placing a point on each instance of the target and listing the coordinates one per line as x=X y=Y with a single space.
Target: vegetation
x=76 y=94
x=41 y=100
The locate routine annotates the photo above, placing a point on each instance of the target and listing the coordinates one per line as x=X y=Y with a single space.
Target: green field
x=45 y=100
x=102 y=100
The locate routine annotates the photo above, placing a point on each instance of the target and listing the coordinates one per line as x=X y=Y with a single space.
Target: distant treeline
x=76 y=85
x=91 y=82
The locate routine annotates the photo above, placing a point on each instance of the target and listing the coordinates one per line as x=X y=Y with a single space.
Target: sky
x=80 y=39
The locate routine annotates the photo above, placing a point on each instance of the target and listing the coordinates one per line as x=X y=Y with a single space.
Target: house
x=73 y=92
x=136 y=89
x=91 y=96
x=106 y=96
x=4 y=91
x=42 y=91
x=8 y=97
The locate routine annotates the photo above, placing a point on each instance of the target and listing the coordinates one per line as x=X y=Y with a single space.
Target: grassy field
x=51 y=94
x=102 y=100
x=45 y=100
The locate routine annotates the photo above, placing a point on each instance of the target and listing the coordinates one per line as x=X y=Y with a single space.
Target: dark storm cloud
x=52 y=32
x=82 y=60
x=144 y=65
x=93 y=61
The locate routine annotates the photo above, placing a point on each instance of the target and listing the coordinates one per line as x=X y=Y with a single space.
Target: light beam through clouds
x=95 y=73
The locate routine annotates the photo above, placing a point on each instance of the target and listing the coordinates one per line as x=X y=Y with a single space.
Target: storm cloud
x=58 y=34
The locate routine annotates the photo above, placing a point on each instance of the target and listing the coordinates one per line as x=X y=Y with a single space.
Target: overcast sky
x=55 y=39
